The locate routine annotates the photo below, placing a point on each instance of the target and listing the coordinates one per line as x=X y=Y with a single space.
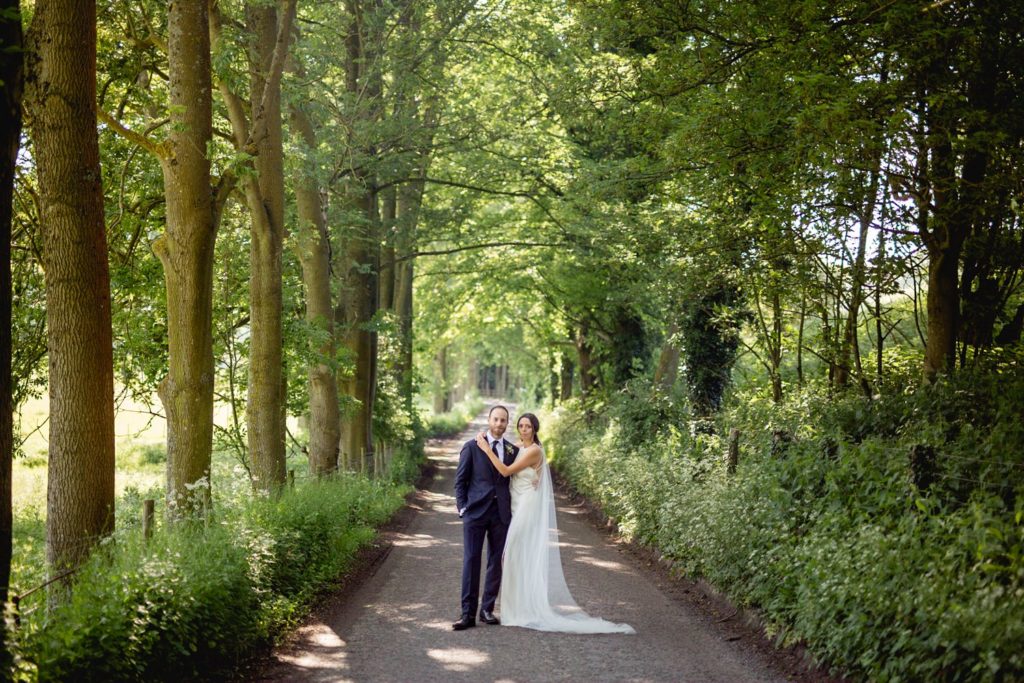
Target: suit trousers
x=489 y=526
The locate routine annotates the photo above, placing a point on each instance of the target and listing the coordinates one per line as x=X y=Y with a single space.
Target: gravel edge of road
x=364 y=565
x=719 y=613
x=722 y=616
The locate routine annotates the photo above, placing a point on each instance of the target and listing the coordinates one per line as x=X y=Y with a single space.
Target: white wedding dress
x=533 y=590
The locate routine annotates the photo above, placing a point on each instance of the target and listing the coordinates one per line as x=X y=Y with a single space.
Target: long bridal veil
x=564 y=614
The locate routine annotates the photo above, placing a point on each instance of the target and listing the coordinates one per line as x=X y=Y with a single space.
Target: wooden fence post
x=291 y=480
x=923 y=466
x=148 y=516
x=734 y=451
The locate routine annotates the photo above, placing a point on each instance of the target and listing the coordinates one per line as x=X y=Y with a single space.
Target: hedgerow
x=822 y=528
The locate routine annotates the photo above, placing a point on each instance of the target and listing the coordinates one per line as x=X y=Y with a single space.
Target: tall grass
x=198 y=596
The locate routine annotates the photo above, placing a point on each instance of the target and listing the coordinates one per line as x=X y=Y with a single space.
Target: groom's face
x=498 y=422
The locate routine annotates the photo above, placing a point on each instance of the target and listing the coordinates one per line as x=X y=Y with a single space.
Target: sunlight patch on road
x=603 y=564
x=418 y=541
x=459 y=658
x=323 y=649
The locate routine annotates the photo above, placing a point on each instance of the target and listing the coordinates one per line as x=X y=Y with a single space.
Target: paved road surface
x=396 y=624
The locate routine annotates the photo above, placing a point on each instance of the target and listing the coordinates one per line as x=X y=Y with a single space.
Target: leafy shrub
x=153 y=454
x=451 y=423
x=825 y=534
x=197 y=597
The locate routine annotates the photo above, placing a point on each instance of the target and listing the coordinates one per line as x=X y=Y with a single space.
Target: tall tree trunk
x=270 y=33
x=473 y=376
x=410 y=200
x=362 y=251
x=404 y=309
x=826 y=337
x=358 y=306
x=879 y=282
x=441 y=381
x=849 y=345
x=186 y=252
x=389 y=213
x=314 y=255
x=265 y=197
x=776 y=346
x=567 y=370
x=668 y=361
x=586 y=363
x=11 y=82
x=552 y=380
x=800 y=337
x=80 y=476
x=958 y=201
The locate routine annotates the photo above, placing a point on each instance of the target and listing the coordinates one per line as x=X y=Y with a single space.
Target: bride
x=533 y=590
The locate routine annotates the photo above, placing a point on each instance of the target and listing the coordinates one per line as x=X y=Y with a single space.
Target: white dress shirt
x=498 y=446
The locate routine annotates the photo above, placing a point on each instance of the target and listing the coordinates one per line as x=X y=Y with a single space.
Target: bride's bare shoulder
x=533 y=449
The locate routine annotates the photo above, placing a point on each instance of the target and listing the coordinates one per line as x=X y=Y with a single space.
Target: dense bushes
x=193 y=599
x=822 y=529
x=454 y=421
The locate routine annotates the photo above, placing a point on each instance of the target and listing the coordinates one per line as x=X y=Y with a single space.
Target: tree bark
x=265 y=198
x=62 y=104
x=186 y=252
x=668 y=361
x=567 y=370
x=11 y=82
x=314 y=255
x=958 y=201
x=361 y=265
x=389 y=213
x=358 y=306
x=586 y=364
x=410 y=200
x=849 y=346
x=776 y=346
x=441 y=401
x=800 y=337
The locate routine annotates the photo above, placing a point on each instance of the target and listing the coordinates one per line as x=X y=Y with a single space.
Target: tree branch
x=284 y=31
x=157 y=149
x=485 y=245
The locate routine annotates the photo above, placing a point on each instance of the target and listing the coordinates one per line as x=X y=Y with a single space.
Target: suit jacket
x=477 y=483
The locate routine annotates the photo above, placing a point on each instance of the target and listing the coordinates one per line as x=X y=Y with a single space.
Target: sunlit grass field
x=139 y=448
x=140 y=461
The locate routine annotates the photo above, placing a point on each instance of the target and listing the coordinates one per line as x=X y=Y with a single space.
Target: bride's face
x=525 y=428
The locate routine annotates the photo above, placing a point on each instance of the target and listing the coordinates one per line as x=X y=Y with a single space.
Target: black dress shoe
x=465 y=622
x=488 y=617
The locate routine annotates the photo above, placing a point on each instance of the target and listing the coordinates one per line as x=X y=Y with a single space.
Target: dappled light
x=459 y=658
x=732 y=290
x=601 y=564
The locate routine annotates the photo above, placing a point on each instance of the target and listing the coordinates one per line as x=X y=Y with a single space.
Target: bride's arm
x=529 y=459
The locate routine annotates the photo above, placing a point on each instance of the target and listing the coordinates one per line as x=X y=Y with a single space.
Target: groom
x=485 y=506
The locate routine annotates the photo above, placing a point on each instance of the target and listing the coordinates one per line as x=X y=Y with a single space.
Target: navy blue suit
x=483 y=499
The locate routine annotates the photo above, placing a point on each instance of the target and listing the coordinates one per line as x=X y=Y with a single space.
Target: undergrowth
x=823 y=528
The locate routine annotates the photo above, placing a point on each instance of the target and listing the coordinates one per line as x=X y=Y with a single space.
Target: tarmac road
x=395 y=624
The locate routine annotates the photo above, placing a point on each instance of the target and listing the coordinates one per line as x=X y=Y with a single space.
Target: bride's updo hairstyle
x=533 y=421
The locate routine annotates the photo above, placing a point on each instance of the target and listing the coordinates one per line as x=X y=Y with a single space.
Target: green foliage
x=710 y=338
x=196 y=598
x=153 y=454
x=824 y=532
x=454 y=421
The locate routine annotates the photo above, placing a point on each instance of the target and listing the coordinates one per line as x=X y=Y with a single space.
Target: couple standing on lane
x=504 y=493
